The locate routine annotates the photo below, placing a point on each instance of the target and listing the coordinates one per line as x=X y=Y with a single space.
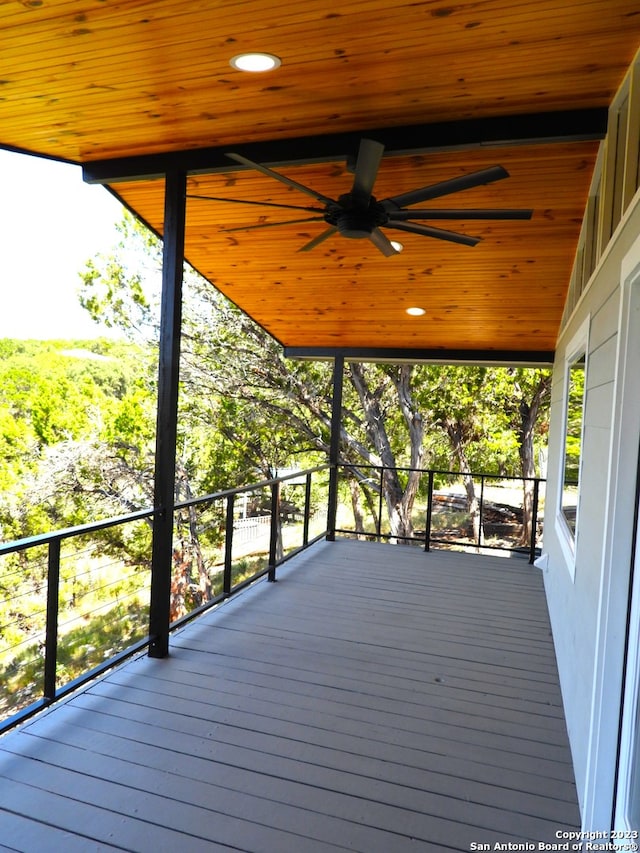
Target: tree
x=399 y=498
x=272 y=410
x=54 y=395
x=531 y=397
x=266 y=410
x=490 y=417
x=252 y=411
x=459 y=407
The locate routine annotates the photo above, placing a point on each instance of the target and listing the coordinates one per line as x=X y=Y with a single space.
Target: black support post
x=51 y=639
x=307 y=510
x=380 y=504
x=427 y=526
x=334 y=448
x=275 y=531
x=228 y=547
x=481 y=519
x=167 y=418
x=534 y=521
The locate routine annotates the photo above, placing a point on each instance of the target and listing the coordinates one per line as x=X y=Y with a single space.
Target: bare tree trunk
x=369 y=489
x=369 y=499
x=528 y=471
x=278 y=522
x=399 y=500
x=455 y=433
x=415 y=427
x=528 y=416
x=474 y=509
x=375 y=426
x=358 y=515
x=190 y=585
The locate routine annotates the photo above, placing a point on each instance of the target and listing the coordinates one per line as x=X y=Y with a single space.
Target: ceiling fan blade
x=429 y=231
x=367 y=165
x=258 y=203
x=401 y=215
x=382 y=242
x=273 y=224
x=453 y=185
x=319 y=239
x=271 y=174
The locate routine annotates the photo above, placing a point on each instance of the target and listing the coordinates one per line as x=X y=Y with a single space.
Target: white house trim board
x=616 y=557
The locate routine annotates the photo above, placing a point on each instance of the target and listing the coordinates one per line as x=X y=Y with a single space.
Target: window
x=573 y=441
x=572 y=450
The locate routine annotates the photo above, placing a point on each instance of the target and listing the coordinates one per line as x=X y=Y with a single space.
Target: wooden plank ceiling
x=98 y=83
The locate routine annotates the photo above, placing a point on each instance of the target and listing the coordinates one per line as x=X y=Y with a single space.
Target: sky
x=51 y=223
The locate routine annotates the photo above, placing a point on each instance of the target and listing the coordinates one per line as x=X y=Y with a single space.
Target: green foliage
x=118 y=289
x=59 y=388
x=57 y=399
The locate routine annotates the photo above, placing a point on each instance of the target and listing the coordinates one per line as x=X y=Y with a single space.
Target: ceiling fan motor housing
x=355 y=217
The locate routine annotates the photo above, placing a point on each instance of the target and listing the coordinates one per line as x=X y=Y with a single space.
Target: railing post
x=307 y=510
x=427 y=532
x=480 y=520
x=167 y=417
x=275 y=528
x=51 y=639
x=379 y=524
x=534 y=521
x=334 y=448
x=228 y=546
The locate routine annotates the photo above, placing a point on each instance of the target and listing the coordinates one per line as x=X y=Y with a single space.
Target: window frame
x=577 y=349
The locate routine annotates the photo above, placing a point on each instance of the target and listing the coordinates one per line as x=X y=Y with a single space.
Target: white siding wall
x=576 y=603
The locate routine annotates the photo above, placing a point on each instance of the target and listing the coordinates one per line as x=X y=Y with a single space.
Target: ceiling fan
x=358 y=214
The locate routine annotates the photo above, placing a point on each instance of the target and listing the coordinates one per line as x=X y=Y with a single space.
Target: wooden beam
x=570 y=126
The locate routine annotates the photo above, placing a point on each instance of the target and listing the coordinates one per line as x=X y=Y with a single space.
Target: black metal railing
x=279 y=514
x=294 y=523
x=242 y=534
x=452 y=509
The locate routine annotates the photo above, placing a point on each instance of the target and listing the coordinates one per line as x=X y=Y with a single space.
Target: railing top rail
x=484 y=474
x=67 y=532
x=250 y=488
x=95 y=526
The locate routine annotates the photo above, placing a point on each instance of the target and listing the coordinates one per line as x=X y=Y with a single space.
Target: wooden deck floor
x=376 y=699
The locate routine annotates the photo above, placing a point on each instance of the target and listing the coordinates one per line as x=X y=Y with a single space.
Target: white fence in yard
x=251 y=528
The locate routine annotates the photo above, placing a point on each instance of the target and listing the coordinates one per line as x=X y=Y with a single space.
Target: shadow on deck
x=376 y=698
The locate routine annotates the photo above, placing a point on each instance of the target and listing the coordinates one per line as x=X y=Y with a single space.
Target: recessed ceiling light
x=416 y=312
x=397 y=246
x=255 y=62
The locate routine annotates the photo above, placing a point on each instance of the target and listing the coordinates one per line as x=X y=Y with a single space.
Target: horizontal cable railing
x=450 y=509
x=75 y=602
